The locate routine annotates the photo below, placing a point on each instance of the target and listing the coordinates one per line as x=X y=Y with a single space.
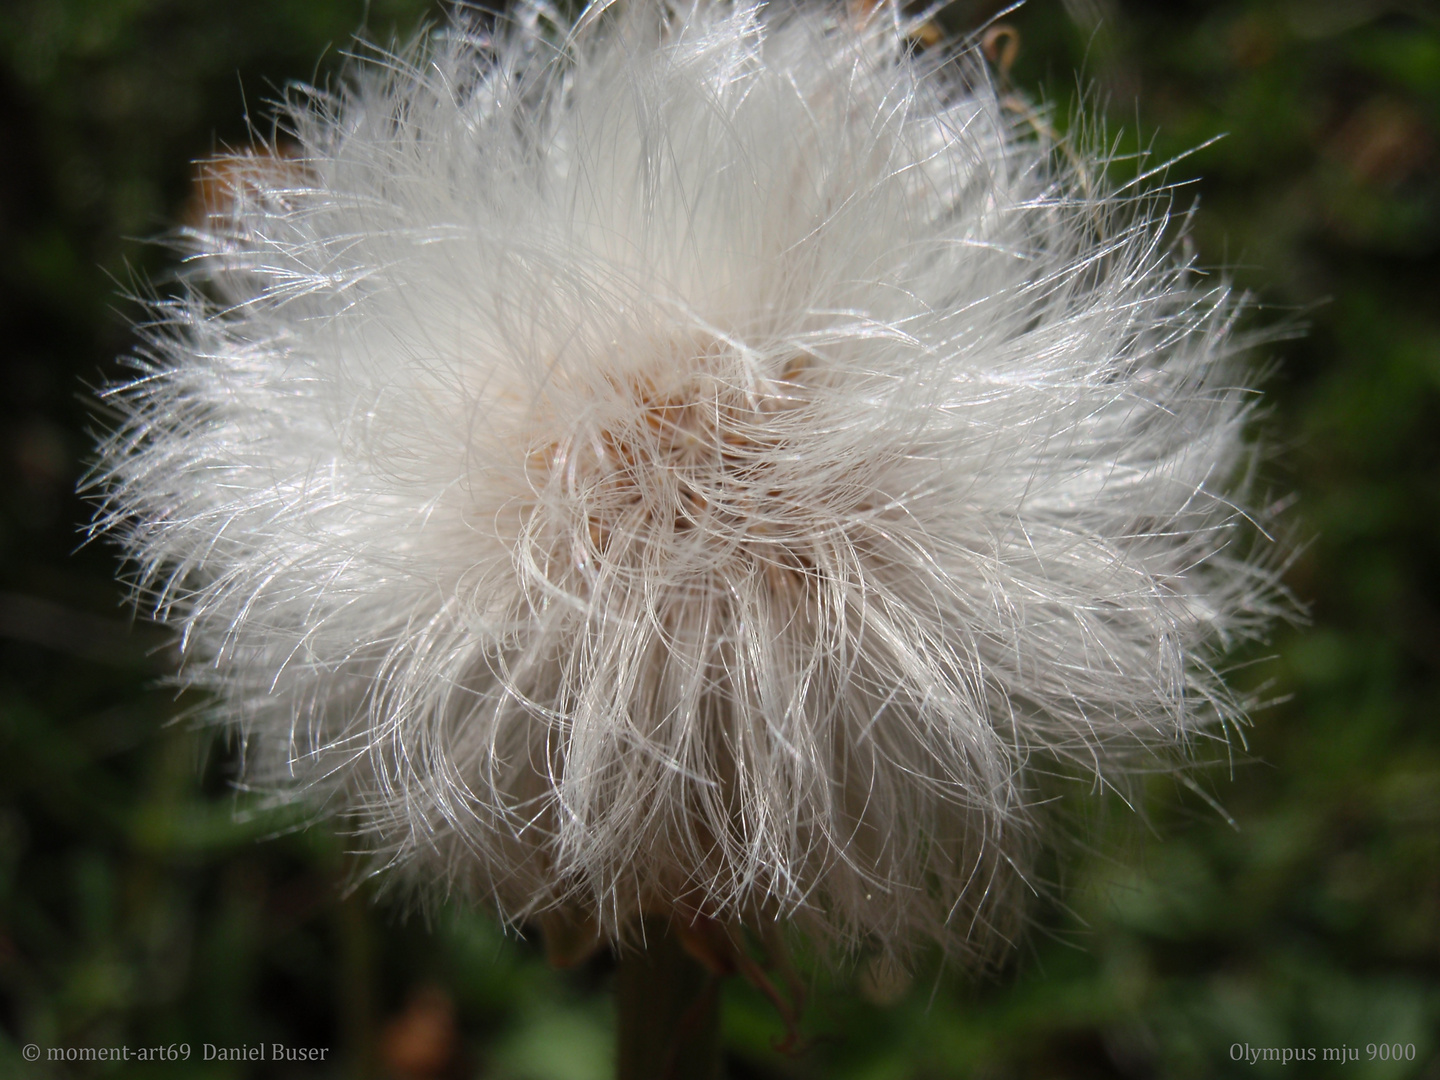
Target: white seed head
x=719 y=459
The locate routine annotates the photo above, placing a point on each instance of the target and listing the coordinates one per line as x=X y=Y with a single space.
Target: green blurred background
x=142 y=905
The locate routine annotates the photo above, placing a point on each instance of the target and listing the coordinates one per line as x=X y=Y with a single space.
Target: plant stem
x=669 y=1011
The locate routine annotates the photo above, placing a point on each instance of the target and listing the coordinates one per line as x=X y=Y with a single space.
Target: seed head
x=719 y=458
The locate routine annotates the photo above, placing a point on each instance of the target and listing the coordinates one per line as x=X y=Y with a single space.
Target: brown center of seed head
x=685 y=466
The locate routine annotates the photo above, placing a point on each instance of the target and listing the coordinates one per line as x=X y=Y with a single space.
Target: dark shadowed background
x=142 y=906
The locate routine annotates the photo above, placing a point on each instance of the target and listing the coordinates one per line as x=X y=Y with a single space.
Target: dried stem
x=669 y=1011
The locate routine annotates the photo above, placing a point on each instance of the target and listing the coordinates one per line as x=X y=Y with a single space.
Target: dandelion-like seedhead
x=715 y=459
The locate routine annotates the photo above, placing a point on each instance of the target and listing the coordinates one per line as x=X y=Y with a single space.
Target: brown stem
x=669 y=1011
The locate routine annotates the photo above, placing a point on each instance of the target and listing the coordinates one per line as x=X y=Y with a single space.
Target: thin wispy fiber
x=716 y=459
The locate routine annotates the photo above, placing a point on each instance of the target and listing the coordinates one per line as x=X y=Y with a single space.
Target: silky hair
x=723 y=459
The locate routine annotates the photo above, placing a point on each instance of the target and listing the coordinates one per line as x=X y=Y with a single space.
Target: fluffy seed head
x=717 y=458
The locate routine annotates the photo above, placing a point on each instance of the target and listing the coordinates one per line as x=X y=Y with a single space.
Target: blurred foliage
x=143 y=903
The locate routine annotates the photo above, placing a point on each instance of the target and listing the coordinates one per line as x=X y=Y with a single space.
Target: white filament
x=712 y=459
